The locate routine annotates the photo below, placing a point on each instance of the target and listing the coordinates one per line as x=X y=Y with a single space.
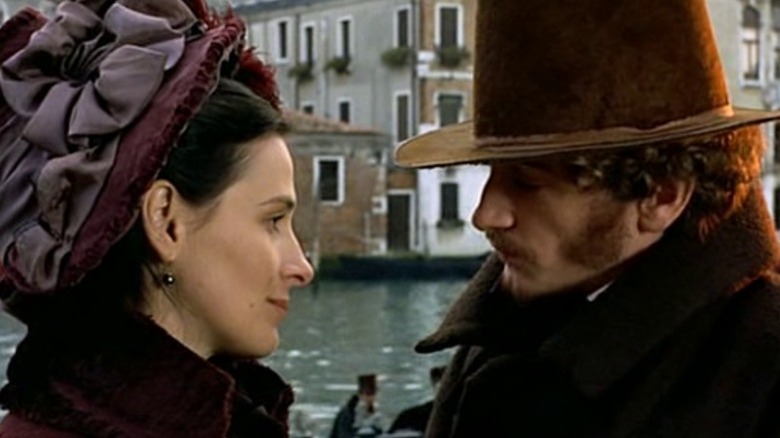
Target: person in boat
x=146 y=202
x=359 y=416
x=633 y=287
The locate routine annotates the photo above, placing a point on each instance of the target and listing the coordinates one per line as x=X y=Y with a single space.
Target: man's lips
x=510 y=257
x=504 y=253
x=501 y=245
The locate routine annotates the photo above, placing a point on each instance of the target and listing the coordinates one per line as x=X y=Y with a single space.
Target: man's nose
x=494 y=210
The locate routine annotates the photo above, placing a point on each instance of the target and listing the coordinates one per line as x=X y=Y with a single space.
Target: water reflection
x=341 y=329
x=338 y=330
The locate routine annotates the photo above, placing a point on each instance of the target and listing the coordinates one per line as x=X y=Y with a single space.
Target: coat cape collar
x=675 y=278
x=128 y=378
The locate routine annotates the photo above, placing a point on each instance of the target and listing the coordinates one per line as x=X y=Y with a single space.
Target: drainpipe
x=367 y=233
x=323 y=76
x=415 y=86
x=415 y=26
x=314 y=255
x=296 y=36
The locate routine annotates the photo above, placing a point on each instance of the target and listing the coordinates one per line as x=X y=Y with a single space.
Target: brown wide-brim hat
x=92 y=103
x=554 y=77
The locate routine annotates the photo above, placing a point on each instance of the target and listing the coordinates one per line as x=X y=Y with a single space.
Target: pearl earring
x=168 y=279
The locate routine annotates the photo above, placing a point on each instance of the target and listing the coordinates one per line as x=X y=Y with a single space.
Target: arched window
x=751 y=46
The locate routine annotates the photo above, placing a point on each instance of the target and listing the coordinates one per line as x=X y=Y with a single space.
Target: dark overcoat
x=125 y=377
x=685 y=343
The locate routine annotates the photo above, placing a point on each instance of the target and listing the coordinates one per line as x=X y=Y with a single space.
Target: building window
x=751 y=47
x=402 y=117
x=449 y=106
x=448 y=21
x=777 y=55
x=329 y=178
x=307 y=108
x=777 y=208
x=402 y=28
x=776 y=141
x=282 y=40
x=449 y=205
x=345 y=111
x=344 y=38
x=307 y=55
x=256 y=36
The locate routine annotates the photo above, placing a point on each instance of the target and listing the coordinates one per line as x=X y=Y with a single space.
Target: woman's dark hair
x=208 y=158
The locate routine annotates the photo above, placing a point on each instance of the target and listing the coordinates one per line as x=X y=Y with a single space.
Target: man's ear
x=667 y=202
x=162 y=215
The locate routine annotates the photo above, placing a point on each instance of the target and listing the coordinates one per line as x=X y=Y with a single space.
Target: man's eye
x=525 y=183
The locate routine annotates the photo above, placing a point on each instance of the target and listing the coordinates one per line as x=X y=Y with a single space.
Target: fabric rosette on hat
x=129 y=75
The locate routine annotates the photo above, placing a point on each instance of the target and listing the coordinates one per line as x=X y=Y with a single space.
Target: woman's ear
x=162 y=215
x=659 y=210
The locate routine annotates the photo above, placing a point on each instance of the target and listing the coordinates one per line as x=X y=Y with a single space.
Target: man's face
x=552 y=235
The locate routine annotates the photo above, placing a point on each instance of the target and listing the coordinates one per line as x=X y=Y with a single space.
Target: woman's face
x=235 y=269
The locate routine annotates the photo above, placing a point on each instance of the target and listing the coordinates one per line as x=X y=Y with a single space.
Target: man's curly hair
x=724 y=167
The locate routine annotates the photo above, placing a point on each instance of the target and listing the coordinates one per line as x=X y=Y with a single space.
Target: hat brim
x=456 y=144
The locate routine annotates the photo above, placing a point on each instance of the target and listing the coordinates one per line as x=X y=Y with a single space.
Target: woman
x=146 y=199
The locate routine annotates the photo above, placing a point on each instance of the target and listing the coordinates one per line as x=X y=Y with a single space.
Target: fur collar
x=128 y=378
x=672 y=281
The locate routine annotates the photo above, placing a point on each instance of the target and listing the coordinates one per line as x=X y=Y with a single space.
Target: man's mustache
x=502 y=243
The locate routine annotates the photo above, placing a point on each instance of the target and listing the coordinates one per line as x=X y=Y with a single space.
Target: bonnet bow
x=80 y=82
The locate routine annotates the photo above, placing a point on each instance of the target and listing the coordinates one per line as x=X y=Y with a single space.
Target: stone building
x=341 y=183
x=401 y=67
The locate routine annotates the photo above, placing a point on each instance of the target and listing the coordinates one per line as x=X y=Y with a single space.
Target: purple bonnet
x=92 y=101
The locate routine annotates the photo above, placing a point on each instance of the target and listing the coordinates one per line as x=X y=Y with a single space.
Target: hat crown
x=545 y=67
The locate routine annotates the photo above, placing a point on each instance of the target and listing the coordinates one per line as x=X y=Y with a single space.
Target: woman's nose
x=299 y=270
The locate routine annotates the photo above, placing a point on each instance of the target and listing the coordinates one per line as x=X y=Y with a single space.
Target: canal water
x=336 y=330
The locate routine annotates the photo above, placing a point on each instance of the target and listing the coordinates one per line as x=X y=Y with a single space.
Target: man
x=359 y=416
x=413 y=421
x=632 y=291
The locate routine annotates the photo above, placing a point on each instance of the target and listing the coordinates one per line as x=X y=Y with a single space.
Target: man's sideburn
x=599 y=244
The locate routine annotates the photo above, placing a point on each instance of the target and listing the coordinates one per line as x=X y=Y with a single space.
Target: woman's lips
x=281 y=303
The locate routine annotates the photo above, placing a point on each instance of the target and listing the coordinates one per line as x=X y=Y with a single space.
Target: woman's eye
x=275 y=221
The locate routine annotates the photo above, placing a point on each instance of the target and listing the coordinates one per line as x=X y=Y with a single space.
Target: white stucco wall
x=451 y=241
x=726 y=18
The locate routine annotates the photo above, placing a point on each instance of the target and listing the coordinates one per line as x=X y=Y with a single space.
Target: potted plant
x=452 y=56
x=339 y=64
x=302 y=72
x=397 y=56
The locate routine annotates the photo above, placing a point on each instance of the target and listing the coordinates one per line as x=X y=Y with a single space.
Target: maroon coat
x=686 y=343
x=125 y=377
